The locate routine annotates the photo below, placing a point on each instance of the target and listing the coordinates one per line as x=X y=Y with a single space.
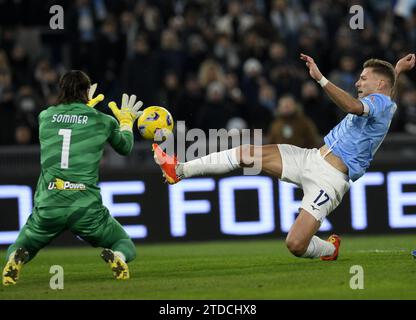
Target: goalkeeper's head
x=74 y=86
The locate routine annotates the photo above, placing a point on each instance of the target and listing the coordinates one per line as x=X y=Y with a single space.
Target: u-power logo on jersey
x=60 y=184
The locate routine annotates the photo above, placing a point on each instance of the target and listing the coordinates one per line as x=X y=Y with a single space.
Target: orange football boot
x=167 y=164
x=336 y=241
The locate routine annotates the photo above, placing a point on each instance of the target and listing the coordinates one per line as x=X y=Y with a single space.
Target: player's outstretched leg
x=302 y=242
x=267 y=158
x=11 y=271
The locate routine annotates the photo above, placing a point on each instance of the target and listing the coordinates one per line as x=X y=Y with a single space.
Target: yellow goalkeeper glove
x=92 y=102
x=128 y=112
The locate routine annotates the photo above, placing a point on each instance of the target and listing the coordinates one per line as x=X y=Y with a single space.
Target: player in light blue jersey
x=324 y=173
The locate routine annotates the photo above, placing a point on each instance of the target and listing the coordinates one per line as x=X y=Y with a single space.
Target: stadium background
x=213 y=64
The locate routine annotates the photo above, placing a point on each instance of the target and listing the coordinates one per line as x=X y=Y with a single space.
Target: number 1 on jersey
x=66 y=133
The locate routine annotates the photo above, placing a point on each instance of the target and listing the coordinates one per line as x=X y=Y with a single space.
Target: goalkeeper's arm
x=121 y=141
x=121 y=138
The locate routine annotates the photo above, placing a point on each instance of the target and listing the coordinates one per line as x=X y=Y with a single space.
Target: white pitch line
x=382 y=251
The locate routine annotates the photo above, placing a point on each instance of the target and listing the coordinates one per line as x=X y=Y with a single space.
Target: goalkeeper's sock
x=318 y=248
x=120 y=255
x=214 y=163
x=126 y=249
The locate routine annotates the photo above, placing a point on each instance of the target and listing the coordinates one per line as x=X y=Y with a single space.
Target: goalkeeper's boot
x=167 y=163
x=336 y=241
x=119 y=268
x=13 y=267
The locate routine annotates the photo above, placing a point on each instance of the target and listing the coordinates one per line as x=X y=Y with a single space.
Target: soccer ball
x=156 y=123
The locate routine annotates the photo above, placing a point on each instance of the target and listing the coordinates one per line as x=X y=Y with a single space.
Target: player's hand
x=128 y=112
x=313 y=68
x=406 y=63
x=92 y=102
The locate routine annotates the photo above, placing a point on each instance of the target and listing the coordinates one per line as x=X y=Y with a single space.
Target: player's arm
x=341 y=98
x=404 y=64
x=120 y=140
x=121 y=137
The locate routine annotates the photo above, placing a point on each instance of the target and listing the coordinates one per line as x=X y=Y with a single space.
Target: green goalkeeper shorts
x=94 y=225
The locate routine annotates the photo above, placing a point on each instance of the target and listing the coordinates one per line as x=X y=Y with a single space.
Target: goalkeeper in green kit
x=72 y=138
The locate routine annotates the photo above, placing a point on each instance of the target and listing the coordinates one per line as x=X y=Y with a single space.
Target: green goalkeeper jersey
x=72 y=139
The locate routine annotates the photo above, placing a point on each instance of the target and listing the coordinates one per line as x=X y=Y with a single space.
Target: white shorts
x=323 y=185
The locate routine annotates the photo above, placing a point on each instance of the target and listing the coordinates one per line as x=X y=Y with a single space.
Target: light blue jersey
x=356 y=138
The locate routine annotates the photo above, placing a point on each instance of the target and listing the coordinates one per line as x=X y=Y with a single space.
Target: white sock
x=11 y=256
x=120 y=255
x=214 y=163
x=318 y=248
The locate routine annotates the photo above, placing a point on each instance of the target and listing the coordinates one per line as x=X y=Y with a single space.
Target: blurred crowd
x=212 y=63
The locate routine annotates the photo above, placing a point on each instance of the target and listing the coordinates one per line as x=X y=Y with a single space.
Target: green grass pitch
x=254 y=269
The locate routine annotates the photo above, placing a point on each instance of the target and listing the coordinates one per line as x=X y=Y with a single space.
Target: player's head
x=74 y=86
x=378 y=76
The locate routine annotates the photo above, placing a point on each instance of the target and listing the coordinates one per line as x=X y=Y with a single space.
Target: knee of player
x=245 y=155
x=296 y=246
